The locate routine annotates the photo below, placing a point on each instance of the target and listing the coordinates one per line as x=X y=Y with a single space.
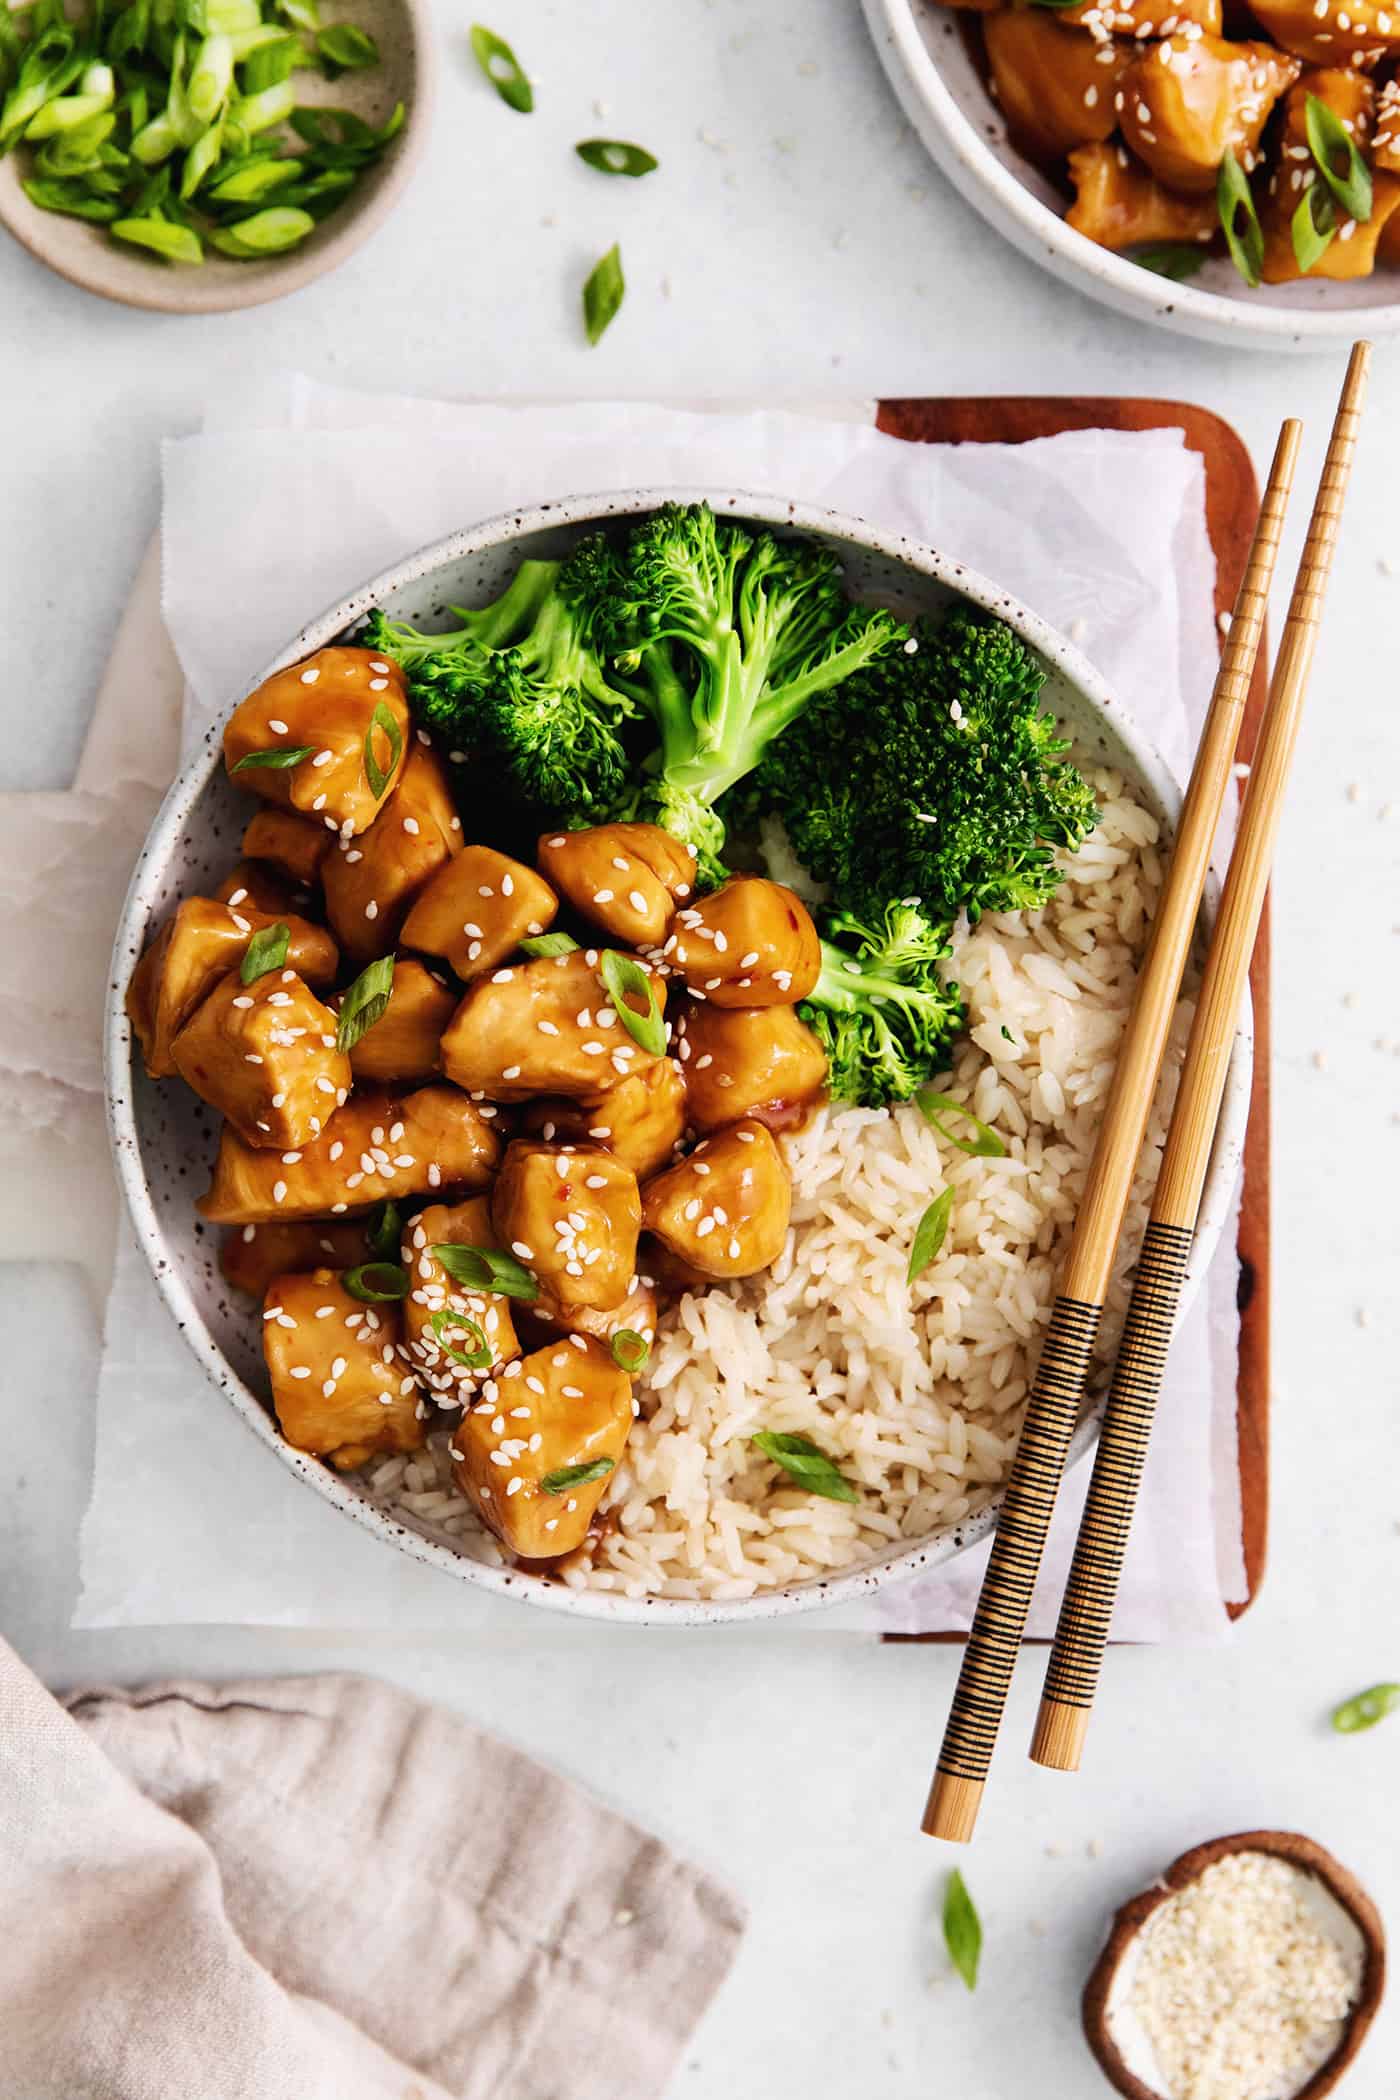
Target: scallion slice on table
x=626 y=980
x=603 y=294
x=366 y=1002
x=616 y=157
x=267 y=950
x=486 y=1269
x=805 y=1464
x=1244 y=236
x=962 y=1929
x=567 y=1477
x=503 y=69
x=1366 y=1708
x=946 y=1114
x=376 y=1282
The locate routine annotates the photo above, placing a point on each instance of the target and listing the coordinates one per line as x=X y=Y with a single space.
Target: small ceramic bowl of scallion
x=193 y=156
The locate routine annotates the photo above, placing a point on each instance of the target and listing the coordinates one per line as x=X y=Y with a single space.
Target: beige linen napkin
x=321 y=1889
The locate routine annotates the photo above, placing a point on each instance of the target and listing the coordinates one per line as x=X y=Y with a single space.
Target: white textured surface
x=798 y=1766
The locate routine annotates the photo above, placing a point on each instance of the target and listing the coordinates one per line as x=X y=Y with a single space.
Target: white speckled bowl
x=931 y=69
x=163 y=1137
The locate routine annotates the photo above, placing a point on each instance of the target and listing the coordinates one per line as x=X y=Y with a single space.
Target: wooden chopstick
x=1057 y=1393
x=1072 y=1675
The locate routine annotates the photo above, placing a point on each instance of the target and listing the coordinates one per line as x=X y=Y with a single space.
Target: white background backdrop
x=797 y=243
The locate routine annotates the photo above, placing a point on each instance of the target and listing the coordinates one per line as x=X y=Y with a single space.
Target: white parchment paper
x=290 y=498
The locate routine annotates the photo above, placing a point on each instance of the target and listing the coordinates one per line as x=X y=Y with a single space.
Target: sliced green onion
x=50 y=65
x=603 y=294
x=630 y=1350
x=1366 y=1708
x=381 y=719
x=1177 y=260
x=962 y=1929
x=73 y=198
x=268 y=232
x=277 y=756
x=252 y=181
x=930 y=1233
x=617 y=157
x=503 y=69
x=65 y=113
x=936 y=1108
x=486 y=1269
x=1330 y=141
x=1234 y=201
x=376 y=1282
x=366 y=1002
x=304 y=13
x=267 y=950
x=576 y=1476
x=1313 y=227
x=271 y=63
x=346 y=48
x=384 y=1230
x=477 y=1359
x=155 y=141
x=271 y=105
x=622 y=976
x=211 y=78
x=549 y=944
x=806 y=1464
x=202 y=156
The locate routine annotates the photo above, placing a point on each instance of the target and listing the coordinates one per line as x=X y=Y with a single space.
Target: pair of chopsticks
x=1057 y=1393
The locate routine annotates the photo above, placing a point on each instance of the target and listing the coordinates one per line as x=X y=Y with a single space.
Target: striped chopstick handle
x=1087 y=1610
x=1017 y=1546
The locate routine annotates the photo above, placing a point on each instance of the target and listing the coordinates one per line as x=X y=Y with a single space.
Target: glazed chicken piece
x=1385 y=145
x=404 y=1044
x=1355 y=33
x=749 y=943
x=378 y=1145
x=1352 y=253
x=445 y=1320
x=640 y=1121
x=572 y=1215
x=1142 y=19
x=542 y=1027
x=1186 y=103
x=635 y=1315
x=263 y=1054
x=626 y=878
x=1118 y=204
x=338 y=1385
x=338 y=705
x=526 y=1453
x=253 y=886
x=741 y=1059
x=478 y=909
x=251 y=1255
x=200 y=943
x=294 y=846
x=1056 y=86
x=725 y=1209
x=372 y=880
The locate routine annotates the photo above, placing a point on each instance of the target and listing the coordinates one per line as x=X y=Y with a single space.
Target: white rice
x=916 y=1393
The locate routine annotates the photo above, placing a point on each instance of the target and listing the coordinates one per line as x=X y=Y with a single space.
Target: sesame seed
x=310 y=675
x=511 y=1072
x=278 y=728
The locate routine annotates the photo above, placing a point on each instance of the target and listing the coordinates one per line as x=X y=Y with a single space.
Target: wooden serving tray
x=1232 y=504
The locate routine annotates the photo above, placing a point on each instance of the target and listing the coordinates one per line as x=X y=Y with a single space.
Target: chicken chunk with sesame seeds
x=1341 y=32
x=446 y=1321
x=200 y=943
x=477 y=910
x=295 y=846
x=635 y=1315
x=751 y=942
x=405 y=1044
x=338 y=1383
x=742 y=1060
x=1142 y=19
x=543 y=1027
x=1354 y=251
x=1187 y=102
x=626 y=878
x=254 y=886
x=640 y=1121
x=264 y=1055
x=572 y=1215
x=348 y=710
x=372 y=880
x=1351 y=97
x=378 y=1145
x=725 y=1209
x=1053 y=85
x=1385 y=139
x=1118 y=204
x=251 y=1255
x=538 y=1460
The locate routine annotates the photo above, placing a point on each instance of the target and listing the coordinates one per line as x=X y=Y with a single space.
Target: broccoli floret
x=724 y=638
x=881 y=1011
x=518 y=686
x=933 y=774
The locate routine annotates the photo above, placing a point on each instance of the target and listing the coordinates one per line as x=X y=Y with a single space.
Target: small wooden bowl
x=1129 y=1921
x=87 y=255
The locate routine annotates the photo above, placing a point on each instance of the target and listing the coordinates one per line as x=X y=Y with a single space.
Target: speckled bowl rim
x=900 y=1564
x=1005 y=202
